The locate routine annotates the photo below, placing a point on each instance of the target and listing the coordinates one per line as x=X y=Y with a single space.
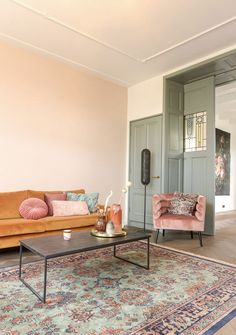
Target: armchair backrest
x=161 y=203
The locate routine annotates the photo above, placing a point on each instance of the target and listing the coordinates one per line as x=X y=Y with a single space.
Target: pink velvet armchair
x=164 y=220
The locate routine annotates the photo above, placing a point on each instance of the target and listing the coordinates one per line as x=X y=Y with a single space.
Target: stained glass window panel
x=195 y=132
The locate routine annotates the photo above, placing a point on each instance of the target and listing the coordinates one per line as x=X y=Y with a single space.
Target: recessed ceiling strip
x=190 y=39
x=107 y=45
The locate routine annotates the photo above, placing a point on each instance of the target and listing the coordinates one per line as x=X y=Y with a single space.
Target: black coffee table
x=54 y=246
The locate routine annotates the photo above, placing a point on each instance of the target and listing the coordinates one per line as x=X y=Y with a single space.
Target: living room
x=73 y=81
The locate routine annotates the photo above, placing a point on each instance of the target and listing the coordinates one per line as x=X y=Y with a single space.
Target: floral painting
x=222 y=163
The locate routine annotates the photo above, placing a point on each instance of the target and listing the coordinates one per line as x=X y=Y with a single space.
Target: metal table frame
x=43 y=297
x=45 y=258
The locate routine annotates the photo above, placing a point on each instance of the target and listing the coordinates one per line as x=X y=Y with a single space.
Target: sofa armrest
x=200 y=208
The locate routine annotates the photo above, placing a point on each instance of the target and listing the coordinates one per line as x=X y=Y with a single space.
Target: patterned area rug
x=94 y=293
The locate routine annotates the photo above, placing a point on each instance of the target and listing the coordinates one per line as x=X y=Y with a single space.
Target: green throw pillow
x=91 y=199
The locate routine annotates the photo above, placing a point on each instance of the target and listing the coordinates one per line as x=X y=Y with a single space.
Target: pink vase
x=116 y=217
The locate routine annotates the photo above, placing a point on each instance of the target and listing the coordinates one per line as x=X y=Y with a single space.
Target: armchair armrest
x=200 y=208
x=159 y=206
x=156 y=205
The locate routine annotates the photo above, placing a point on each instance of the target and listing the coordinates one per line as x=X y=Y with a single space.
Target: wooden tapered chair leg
x=163 y=232
x=200 y=238
x=157 y=234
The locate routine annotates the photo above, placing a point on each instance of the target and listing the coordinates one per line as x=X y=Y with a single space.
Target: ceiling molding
x=111 y=47
x=62 y=24
x=190 y=39
x=66 y=60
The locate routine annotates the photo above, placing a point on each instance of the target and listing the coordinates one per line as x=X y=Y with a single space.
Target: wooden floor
x=222 y=246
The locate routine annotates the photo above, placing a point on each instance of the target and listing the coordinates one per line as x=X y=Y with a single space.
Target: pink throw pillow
x=49 y=197
x=33 y=209
x=68 y=208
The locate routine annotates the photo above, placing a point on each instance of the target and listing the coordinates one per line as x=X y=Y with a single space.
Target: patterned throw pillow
x=183 y=204
x=91 y=199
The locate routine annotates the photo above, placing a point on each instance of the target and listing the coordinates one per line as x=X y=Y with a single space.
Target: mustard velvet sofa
x=14 y=228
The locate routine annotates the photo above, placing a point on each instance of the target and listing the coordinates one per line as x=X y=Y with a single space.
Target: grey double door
x=144 y=134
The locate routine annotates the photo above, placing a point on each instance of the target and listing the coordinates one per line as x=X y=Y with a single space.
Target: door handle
x=156 y=177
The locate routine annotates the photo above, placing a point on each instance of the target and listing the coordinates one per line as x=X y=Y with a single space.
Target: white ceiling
x=126 y=41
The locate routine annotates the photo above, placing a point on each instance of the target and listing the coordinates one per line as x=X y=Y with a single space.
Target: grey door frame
x=171 y=77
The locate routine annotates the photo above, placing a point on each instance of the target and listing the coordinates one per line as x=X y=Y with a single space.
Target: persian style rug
x=94 y=293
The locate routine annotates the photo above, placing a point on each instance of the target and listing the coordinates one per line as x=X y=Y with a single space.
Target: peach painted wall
x=60 y=127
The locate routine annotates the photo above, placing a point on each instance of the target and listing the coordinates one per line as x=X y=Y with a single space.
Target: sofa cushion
x=49 y=197
x=80 y=191
x=33 y=209
x=20 y=226
x=91 y=199
x=180 y=222
x=40 y=194
x=66 y=222
x=66 y=208
x=10 y=203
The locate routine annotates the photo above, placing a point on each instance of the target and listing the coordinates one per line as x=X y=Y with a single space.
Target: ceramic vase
x=116 y=217
x=110 y=228
x=101 y=224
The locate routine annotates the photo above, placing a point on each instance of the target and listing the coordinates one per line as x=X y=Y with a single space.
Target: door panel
x=173 y=120
x=196 y=167
x=199 y=170
x=175 y=174
x=146 y=133
x=199 y=165
x=176 y=133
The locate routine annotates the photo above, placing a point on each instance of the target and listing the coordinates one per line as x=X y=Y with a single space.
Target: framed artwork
x=222 y=163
